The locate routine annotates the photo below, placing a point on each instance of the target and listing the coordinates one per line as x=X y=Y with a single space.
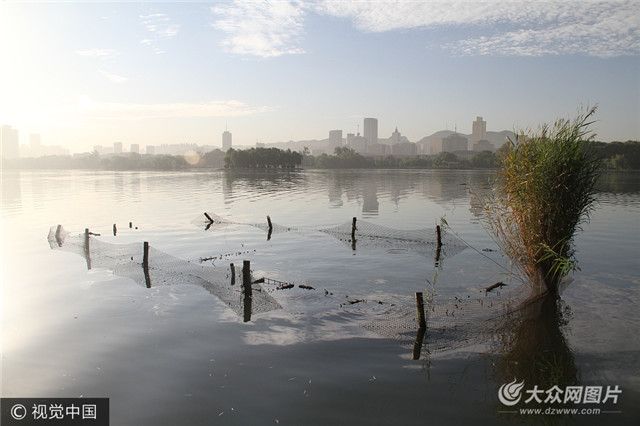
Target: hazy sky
x=84 y=74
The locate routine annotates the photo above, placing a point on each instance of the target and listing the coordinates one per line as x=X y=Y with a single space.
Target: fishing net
x=368 y=235
x=465 y=320
x=126 y=260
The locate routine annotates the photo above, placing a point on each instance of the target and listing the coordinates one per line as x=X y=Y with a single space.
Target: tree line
x=262 y=158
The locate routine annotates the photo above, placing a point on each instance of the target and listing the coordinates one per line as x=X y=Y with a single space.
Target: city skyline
x=153 y=74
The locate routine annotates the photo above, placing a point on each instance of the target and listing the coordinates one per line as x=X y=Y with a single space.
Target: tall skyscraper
x=117 y=147
x=371 y=130
x=479 y=130
x=9 y=145
x=226 y=140
x=135 y=148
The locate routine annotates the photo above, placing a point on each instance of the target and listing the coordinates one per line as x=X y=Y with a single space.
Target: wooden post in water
x=115 y=229
x=59 y=235
x=270 y=228
x=439 y=236
x=233 y=273
x=87 y=250
x=353 y=233
x=145 y=263
x=208 y=217
x=248 y=290
x=130 y=225
x=422 y=322
x=353 y=229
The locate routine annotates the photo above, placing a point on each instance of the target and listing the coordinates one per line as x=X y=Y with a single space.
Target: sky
x=85 y=74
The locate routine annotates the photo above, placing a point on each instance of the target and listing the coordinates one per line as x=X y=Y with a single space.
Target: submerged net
x=459 y=322
x=126 y=260
x=368 y=234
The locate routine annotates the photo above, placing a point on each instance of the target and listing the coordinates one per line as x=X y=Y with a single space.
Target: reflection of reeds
x=545 y=190
x=535 y=348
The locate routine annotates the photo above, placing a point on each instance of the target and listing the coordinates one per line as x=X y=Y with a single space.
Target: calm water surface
x=175 y=354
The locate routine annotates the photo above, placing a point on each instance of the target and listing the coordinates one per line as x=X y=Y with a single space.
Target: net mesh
x=126 y=260
x=465 y=320
x=367 y=234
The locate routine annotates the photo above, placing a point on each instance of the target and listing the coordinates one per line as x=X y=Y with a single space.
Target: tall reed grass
x=544 y=193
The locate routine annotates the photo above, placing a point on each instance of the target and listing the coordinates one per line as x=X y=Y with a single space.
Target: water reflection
x=11 y=189
x=535 y=348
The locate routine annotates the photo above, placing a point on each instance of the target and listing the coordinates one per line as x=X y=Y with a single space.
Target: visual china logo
x=510 y=393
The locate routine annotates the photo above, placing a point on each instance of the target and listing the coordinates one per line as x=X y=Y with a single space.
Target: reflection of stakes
x=417 y=346
x=145 y=264
x=270 y=228
x=248 y=291
x=87 y=253
x=233 y=273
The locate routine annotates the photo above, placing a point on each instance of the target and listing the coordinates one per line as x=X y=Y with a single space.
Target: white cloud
x=159 y=27
x=97 y=53
x=135 y=111
x=261 y=28
x=512 y=28
x=114 y=78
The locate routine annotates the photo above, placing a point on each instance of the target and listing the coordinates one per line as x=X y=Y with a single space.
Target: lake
x=339 y=352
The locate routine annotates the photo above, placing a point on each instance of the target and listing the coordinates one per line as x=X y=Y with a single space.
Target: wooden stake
x=208 y=217
x=87 y=250
x=130 y=225
x=439 y=236
x=59 y=235
x=353 y=229
x=422 y=322
x=145 y=263
x=233 y=273
x=115 y=229
x=248 y=290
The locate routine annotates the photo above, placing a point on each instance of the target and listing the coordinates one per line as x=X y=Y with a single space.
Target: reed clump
x=545 y=191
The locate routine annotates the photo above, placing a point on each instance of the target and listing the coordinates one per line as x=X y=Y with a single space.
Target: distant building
x=371 y=130
x=395 y=137
x=151 y=150
x=479 y=130
x=403 y=149
x=455 y=142
x=357 y=143
x=483 y=145
x=35 y=145
x=226 y=140
x=9 y=144
x=335 y=140
x=135 y=148
x=117 y=147
x=377 y=149
x=260 y=145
